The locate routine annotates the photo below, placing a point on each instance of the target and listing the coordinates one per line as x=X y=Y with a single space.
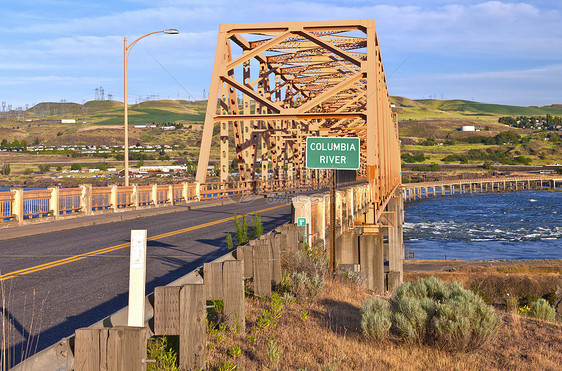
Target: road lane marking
x=75 y=258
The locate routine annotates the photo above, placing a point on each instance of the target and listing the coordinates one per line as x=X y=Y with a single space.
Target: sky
x=503 y=52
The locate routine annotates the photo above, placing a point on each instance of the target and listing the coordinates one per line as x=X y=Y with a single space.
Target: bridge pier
x=395 y=243
x=371 y=259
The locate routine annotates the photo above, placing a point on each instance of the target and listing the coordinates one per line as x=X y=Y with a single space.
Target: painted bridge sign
x=332 y=153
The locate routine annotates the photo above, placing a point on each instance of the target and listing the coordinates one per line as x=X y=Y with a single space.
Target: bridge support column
x=372 y=261
x=395 y=251
x=346 y=249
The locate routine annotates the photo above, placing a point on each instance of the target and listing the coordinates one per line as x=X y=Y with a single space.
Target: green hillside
x=486 y=108
x=111 y=112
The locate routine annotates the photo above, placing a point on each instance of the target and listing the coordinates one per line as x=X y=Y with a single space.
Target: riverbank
x=324 y=331
x=492 y=279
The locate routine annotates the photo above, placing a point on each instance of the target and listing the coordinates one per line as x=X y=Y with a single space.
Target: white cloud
x=480 y=37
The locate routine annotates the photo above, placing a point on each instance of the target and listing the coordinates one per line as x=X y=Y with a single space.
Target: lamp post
x=126 y=51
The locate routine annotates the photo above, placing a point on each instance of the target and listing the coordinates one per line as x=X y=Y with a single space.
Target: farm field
x=429 y=131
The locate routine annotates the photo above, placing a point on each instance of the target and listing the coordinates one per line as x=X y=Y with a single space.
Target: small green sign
x=332 y=153
x=301 y=222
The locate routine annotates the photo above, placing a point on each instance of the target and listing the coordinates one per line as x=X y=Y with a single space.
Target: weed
x=229 y=244
x=288 y=298
x=307 y=287
x=240 y=230
x=235 y=351
x=273 y=352
x=227 y=366
x=304 y=315
x=541 y=309
x=257 y=225
x=164 y=354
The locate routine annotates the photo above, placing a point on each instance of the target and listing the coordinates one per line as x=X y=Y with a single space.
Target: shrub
x=257 y=226
x=307 y=287
x=435 y=312
x=229 y=244
x=375 y=318
x=241 y=231
x=541 y=309
x=164 y=354
x=463 y=323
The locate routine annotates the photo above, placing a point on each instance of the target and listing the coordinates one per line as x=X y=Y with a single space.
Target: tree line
x=531 y=122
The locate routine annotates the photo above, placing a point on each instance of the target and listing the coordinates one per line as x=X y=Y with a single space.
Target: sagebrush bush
x=541 y=309
x=375 y=318
x=307 y=287
x=435 y=312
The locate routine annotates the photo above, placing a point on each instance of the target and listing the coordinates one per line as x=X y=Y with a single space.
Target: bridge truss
x=274 y=84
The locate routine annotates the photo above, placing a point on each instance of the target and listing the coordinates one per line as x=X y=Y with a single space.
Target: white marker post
x=137 y=278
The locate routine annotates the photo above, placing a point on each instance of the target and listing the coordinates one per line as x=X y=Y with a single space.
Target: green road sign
x=301 y=222
x=332 y=153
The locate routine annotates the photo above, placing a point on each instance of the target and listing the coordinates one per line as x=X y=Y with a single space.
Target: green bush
x=165 y=355
x=375 y=318
x=541 y=309
x=435 y=312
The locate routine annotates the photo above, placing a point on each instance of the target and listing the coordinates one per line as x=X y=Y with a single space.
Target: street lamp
x=126 y=51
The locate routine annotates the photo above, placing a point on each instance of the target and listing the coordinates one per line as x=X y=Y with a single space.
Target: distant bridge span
x=418 y=191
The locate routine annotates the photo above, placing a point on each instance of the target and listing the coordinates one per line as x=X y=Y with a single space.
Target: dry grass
x=494 y=279
x=330 y=338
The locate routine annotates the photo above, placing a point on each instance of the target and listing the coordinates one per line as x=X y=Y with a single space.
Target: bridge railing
x=19 y=206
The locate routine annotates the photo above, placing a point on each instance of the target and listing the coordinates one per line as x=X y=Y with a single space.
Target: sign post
x=301 y=222
x=335 y=153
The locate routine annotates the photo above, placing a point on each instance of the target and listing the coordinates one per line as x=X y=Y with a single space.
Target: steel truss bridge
x=275 y=84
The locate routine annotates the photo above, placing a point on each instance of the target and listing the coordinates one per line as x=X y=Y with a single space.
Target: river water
x=512 y=225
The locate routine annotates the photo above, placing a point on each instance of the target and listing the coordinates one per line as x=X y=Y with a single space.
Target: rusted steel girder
x=274 y=84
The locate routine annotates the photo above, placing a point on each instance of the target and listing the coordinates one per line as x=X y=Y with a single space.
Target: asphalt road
x=54 y=283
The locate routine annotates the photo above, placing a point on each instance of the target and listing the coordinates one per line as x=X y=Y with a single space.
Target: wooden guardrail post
x=113 y=349
x=212 y=281
x=167 y=310
x=276 y=273
x=233 y=294
x=262 y=273
x=192 y=327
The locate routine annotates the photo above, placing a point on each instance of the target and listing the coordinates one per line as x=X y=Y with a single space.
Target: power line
x=172 y=76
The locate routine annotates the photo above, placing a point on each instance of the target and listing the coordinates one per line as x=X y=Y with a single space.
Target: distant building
x=68 y=121
x=468 y=128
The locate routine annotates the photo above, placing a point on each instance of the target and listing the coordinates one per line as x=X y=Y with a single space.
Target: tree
x=6 y=170
x=76 y=167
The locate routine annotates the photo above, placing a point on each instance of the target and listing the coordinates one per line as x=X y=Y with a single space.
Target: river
x=512 y=225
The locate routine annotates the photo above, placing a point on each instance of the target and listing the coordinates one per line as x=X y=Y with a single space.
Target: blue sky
x=490 y=51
